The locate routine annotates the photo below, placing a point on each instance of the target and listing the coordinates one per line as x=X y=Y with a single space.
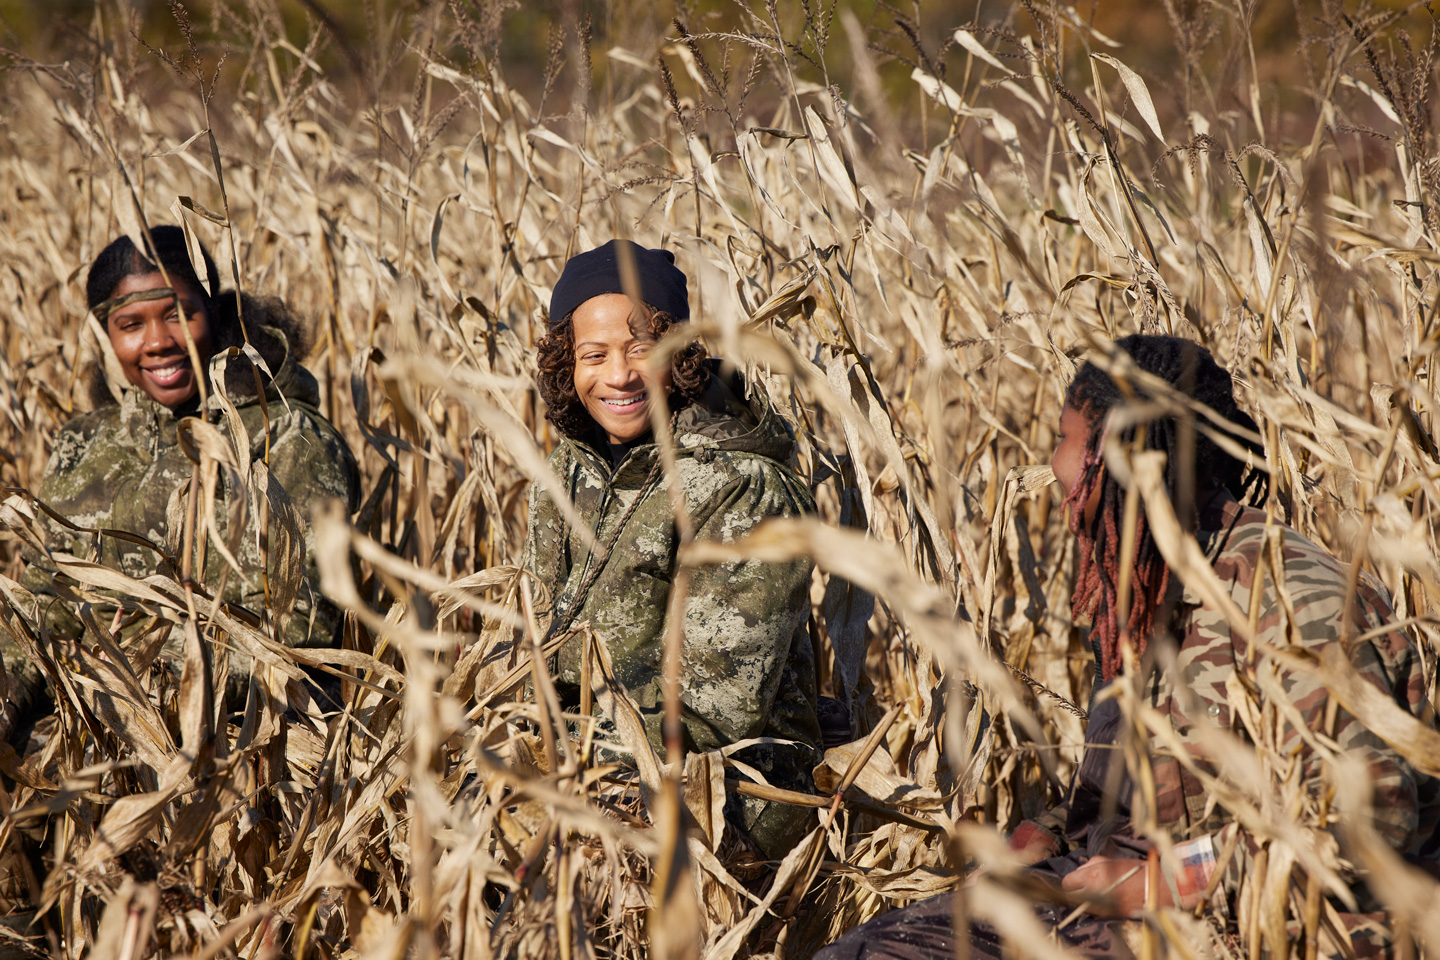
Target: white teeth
x=167 y=374
x=624 y=403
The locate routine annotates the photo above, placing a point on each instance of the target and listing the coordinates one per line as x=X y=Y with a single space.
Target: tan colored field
x=912 y=276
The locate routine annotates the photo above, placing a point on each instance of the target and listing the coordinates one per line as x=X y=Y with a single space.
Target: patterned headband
x=103 y=310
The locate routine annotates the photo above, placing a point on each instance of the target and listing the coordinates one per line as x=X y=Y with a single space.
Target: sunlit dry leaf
x=1139 y=93
x=878 y=778
x=967 y=40
x=130 y=819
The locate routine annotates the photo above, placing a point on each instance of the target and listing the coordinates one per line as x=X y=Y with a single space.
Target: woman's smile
x=149 y=340
x=612 y=377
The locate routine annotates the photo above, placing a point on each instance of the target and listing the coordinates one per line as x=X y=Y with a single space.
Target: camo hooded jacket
x=118 y=467
x=1206 y=682
x=748 y=669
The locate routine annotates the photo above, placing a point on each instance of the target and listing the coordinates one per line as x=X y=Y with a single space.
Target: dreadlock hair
x=1194 y=463
x=273 y=329
x=689 y=374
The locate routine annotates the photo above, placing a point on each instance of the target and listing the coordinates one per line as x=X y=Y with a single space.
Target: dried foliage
x=911 y=272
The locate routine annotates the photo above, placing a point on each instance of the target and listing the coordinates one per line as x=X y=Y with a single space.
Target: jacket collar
x=1218 y=519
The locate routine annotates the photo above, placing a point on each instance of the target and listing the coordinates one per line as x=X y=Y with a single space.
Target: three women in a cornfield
x=167 y=336
x=746 y=674
x=1195 y=662
x=746 y=666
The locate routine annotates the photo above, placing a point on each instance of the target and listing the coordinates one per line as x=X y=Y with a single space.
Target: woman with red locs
x=1094 y=500
x=1183 y=653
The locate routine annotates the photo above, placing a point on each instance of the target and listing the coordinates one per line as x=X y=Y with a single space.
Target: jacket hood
x=723 y=420
x=290 y=381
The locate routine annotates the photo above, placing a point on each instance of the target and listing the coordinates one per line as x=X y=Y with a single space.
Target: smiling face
x=612 y=342
x=150 y=344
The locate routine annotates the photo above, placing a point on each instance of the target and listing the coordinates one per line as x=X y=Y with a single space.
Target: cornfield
x=909 y=234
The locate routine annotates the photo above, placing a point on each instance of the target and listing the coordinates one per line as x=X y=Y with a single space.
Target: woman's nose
x=161 y=335
x=620 y=371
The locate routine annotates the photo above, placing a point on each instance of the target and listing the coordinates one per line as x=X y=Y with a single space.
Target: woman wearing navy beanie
x=747 y=666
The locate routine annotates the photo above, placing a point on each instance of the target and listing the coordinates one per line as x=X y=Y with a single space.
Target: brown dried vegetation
x=912 y=278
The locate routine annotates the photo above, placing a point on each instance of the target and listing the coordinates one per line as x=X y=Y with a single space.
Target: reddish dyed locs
x=1194 y=464
x=1097 y=580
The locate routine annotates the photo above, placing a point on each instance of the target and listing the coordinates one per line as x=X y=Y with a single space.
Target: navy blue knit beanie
x=597 y=272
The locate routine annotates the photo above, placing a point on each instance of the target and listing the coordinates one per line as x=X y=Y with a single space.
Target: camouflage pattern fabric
x=1103 y=806
x=1308 y=613
x=748 y=667
x=926 y=931
x=118 y=466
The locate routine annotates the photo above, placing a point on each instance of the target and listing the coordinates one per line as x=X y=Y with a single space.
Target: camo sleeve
x=545 y=532
x=1307 y=610
x=74 y=480
x=66 y=473
x=1387 y=661
x=741 y=616
x=312 y=463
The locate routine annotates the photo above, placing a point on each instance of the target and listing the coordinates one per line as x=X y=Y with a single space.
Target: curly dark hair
x=273 y=329
x=1191 y=369
x=689 y=374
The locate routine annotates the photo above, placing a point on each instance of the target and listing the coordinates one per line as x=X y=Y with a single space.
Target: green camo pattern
x=748 y=667
x=118 y=466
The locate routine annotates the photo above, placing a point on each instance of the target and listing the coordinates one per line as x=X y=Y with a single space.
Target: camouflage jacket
x=748 y=668
x=1195 y=690
x=117 y=467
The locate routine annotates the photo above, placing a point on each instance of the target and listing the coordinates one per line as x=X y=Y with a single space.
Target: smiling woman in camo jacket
x=747 y=666
x=118 y=466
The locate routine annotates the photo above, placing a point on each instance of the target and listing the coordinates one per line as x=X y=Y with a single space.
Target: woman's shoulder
x=104 y=417
x=563 y=457
x=576 y=473
x=736 y=464
x=1306 y=563
x=1316 y=583
x=1245 y=532
x=90 y=455
x=84 y=433
x=292 y=402
x=302 y=444
x=744 y=479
